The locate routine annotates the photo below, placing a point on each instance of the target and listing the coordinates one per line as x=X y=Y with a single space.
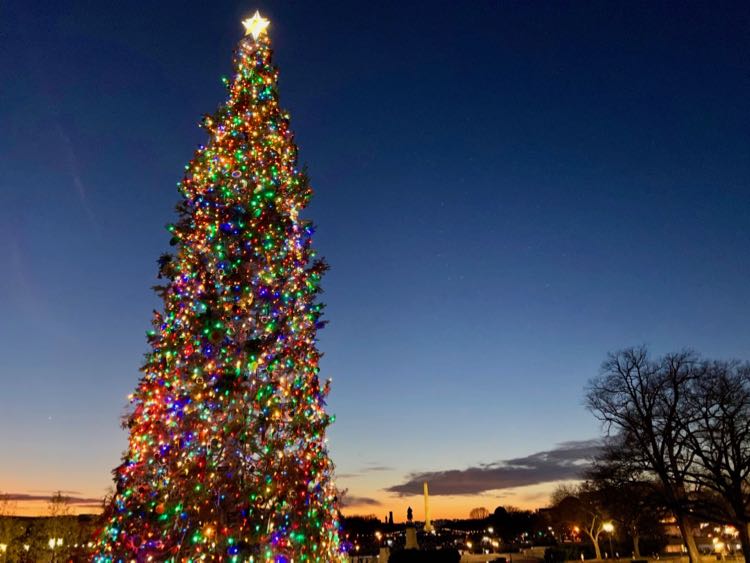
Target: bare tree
x=7 y=505
x=631 y=502
x=60 y=526
x=11 y=528
x=719 y=436
x=479 y=513
x=58 y=505
x=580 y=507
x=644 y=402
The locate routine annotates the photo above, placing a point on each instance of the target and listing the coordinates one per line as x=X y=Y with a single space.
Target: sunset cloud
x=371 y=468
x=26 y=497
x=564 y=462
x=350 y=500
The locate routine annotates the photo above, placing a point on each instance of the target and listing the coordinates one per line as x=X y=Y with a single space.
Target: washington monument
x=427 y=523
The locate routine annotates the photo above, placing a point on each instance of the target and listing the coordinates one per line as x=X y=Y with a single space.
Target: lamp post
x=53 y=543
x=609 y=528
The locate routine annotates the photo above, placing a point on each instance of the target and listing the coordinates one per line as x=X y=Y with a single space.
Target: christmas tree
x=226 y=458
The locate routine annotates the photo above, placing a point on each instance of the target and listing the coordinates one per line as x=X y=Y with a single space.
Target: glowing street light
x=609 y=527
x=53 y=543
x=718 y=545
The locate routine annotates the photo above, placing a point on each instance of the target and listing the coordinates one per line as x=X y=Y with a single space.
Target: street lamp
x=609 y=528
x=54 y=542
x=719 y=547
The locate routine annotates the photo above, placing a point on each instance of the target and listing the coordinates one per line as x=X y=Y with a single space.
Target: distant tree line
x=512 y=527
x=57 y=537
x=677 y=446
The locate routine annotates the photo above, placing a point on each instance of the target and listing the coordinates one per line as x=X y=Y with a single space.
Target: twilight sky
x=505 y=191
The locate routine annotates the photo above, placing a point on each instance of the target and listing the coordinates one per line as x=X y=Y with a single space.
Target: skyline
x=484 y=183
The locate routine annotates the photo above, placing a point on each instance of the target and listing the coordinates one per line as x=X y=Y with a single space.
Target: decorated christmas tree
x=226 y=458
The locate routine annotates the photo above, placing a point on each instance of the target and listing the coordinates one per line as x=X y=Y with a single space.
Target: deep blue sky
x=506 y=191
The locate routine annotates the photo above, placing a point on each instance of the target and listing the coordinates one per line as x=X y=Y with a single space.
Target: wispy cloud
x=347 y=500
x=566 y=461
x=71 y=162
x=62 y=492
x=371 y=468
x=37 y=68
x=27 y=497
x=350 y=500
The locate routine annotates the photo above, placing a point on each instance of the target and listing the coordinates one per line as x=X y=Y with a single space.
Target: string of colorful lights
x=227 y=459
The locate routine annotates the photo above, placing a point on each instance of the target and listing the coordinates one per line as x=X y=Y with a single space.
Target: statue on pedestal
x=411 y=531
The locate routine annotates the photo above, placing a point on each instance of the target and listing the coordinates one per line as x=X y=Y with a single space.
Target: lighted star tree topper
x=227 y=459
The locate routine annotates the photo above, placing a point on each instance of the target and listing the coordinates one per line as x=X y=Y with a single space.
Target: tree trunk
x=636 y=546
x=744 y=531
x=686 y=529
x=595 y=541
